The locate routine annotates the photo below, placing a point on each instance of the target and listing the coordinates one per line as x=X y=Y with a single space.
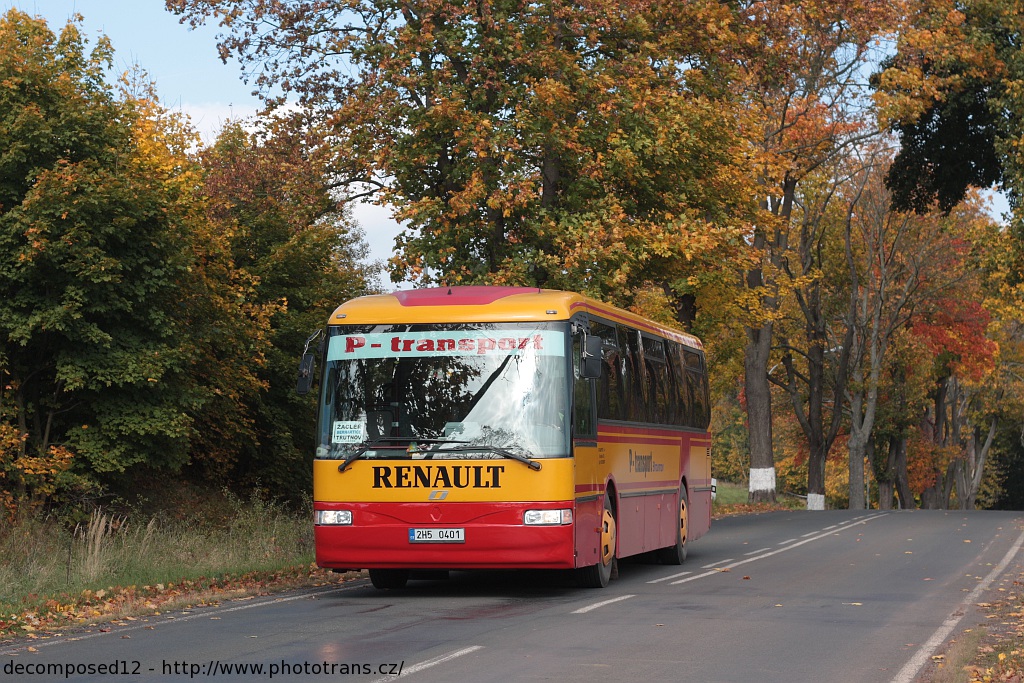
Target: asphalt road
x=795 y=596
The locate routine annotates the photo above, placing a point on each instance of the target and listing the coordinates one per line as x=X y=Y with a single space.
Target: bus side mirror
x=307 y=365
x=305 y=381
x=591 y=357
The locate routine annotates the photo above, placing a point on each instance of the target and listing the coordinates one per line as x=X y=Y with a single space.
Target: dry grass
x=47 y=563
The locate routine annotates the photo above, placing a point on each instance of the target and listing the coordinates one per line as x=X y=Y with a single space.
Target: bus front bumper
x=452 y=536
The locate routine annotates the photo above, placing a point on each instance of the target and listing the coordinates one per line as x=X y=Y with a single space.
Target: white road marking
x=441 y=659
x=910 y=670
x=588 y=608
x=818 y=535
x=715 y=564
x=670 y=576
x=755 y=552
x=694 y=578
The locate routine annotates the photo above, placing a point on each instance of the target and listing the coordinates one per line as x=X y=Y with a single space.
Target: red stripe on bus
x=632 y=486
x=647 y=431
x=640 y=442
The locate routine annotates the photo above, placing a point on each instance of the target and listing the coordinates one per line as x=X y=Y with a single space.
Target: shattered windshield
x=479 y=390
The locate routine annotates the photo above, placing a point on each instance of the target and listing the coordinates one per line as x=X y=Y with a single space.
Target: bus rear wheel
x=676 y=554
x=389 y=578
x=598 y=575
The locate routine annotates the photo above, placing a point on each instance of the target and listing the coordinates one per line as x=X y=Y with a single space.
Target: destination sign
x=471 y=343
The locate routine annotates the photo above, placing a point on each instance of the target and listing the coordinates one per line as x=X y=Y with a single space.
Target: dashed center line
x=670 y=576
x=727 y=564
x=588 y=608
x=715 y=564
x=807 y=538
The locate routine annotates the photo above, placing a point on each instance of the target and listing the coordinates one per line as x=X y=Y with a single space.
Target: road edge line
x=913 y=667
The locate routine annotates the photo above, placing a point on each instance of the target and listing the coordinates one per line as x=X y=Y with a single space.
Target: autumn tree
x=951 y=94
x=914 y=281
x=154 y=303
x=90 y=362
x=802 y=77
x=290 y=238
x=585 y=146
x=814 y=341
x=974 y=342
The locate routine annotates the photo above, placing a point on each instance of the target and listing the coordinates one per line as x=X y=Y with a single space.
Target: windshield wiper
x=475 y=448
x=365 y=446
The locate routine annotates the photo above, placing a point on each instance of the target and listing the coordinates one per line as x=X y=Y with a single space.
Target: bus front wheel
x=598 y=575
x=389 y=578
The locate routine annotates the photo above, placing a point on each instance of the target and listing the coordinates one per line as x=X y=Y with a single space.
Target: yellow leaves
x=36 y=472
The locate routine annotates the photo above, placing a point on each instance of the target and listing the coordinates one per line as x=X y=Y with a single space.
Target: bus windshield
x=453 y=391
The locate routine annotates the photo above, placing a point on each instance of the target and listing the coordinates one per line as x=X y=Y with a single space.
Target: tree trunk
x=906 y=496
x=885 y=475
x=886 y=490
x=973 y=466
x=858 y=451
x=931 y=497
x=759 y=414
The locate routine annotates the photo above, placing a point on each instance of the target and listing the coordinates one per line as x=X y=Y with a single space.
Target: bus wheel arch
x=607 y=567
x=676 y=554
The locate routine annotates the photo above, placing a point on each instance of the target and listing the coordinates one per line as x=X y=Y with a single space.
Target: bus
x=481 y=427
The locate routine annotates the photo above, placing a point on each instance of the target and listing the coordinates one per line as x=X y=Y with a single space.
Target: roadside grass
x=731 y=499
x=991 y=652
x=115 y=564
x=950 y=666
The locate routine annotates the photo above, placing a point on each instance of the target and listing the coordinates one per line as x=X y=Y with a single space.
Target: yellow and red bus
x=506 y=427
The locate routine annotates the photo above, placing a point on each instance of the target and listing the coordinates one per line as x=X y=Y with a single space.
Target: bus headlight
x=332 y=517
x=547 y=517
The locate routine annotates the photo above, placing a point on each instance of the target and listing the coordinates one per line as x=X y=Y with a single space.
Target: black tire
x=676 y=554
x=389 y=578
x=598 y=575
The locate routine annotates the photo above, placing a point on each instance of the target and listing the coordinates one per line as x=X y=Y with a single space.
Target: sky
x=188 y=73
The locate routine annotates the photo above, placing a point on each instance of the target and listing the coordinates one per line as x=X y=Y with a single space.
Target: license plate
x=437 y=535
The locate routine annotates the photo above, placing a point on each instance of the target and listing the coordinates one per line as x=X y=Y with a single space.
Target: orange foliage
x=26 y=479
x=926 y=461
x=957 y=330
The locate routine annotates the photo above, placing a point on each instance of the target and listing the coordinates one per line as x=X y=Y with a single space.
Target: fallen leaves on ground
x=120 y=602
x=999 y=657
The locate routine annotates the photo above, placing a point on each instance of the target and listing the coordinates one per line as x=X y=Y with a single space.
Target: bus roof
x=488 y=304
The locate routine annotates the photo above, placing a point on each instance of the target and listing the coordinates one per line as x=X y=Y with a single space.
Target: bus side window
x=684 y=404
x=636 y=404
x=583 y=403
x=658 y=380
x=610 y=389
x=696 y=378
